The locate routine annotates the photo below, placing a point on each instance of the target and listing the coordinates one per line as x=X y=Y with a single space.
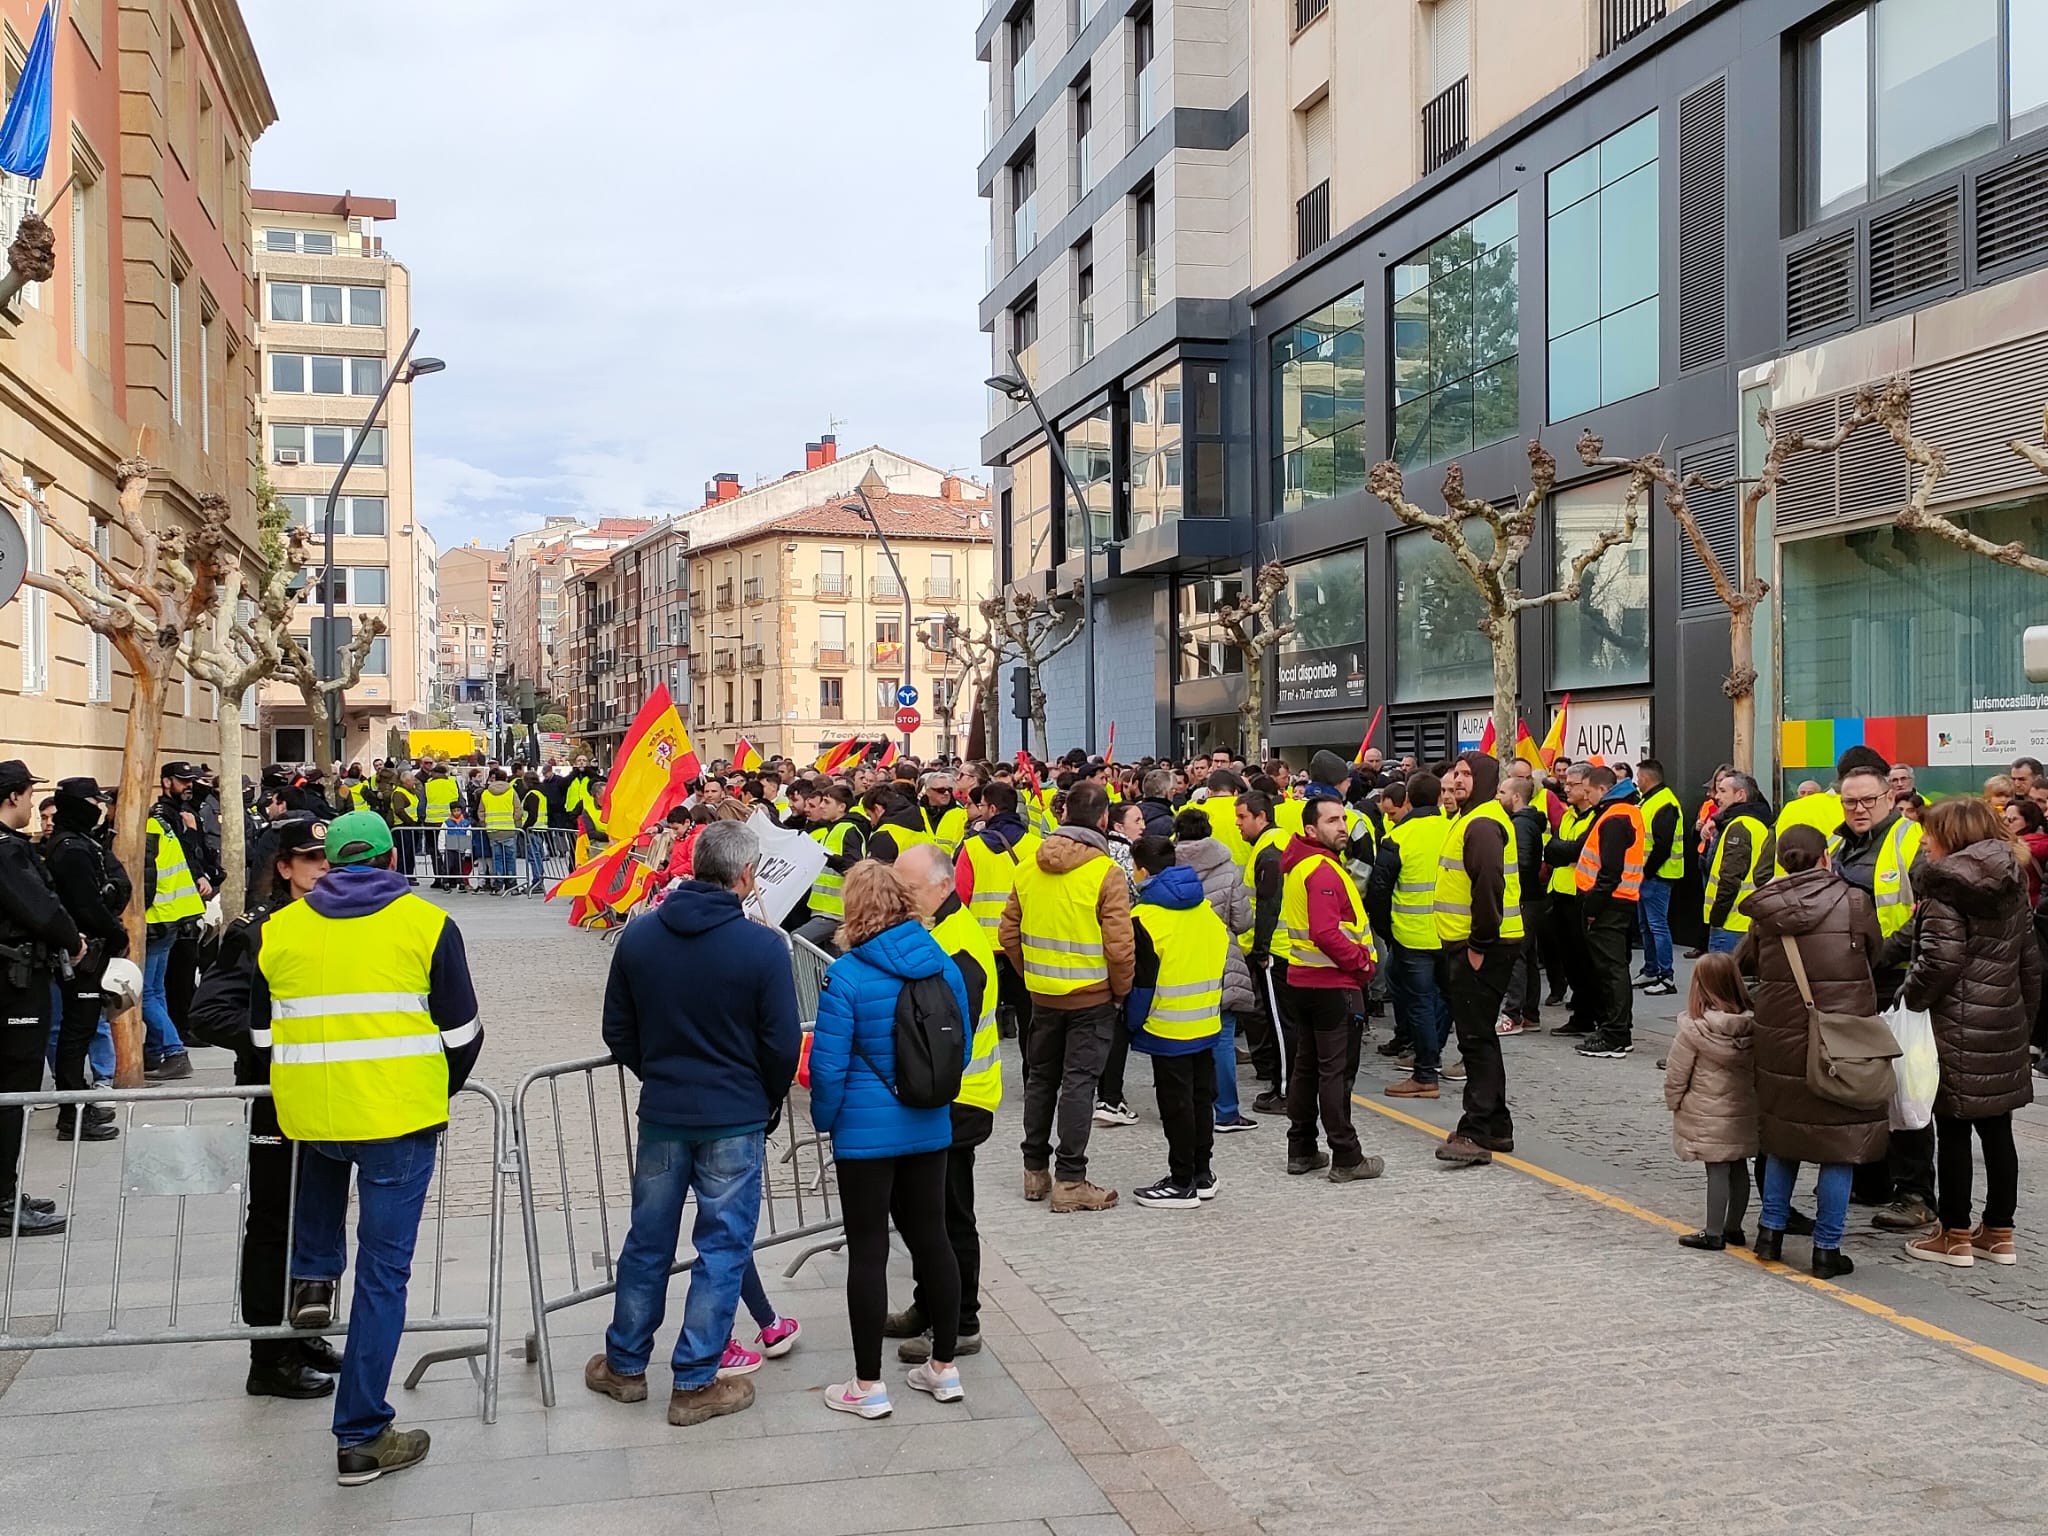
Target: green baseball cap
x=360 y=837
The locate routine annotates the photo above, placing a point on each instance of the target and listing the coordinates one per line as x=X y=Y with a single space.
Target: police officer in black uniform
x=95 y=890
x=38 y=942
x=294 y=856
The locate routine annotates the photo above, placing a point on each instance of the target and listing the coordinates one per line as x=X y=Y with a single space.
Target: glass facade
x=1029 y=509
x=1439 y=652
x=1089 y=454
x=1604 y=638
x=1157 y=468
x=1456 y=329
x=1200 y=645
x=1318 y=393
x=1602 y=252
x=1322 y=664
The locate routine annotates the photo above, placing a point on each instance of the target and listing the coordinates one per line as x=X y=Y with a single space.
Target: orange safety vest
x=1588 y=868
x=1704 y=825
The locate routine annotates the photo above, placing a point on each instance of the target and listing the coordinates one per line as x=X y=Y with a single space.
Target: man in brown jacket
x=1067 y=931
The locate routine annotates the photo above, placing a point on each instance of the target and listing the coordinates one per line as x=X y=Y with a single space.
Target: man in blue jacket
x=715 y=1059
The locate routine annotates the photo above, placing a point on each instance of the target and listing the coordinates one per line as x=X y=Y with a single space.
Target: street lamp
x=1017 y=386
x=404 y=371
x=871 y=486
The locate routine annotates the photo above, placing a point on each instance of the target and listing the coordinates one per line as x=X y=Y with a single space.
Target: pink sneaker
x=739 y=1360
x=780 y=1337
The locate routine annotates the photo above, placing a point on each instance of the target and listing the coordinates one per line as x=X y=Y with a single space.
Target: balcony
x=753 y=657
x=828 y=655
x=831 y=711
x=1306 y=11
x=1621 y=20
x=942 y=589
x=888 y=653
x=883 y=589
x=724 y=596
x=1023 y=79
x=754 y=590
x=1443 y=127
x=1312 y=219
x=1024 y=229
x=1148 y=98
x=1146 y=282
x=725 y=663
x=832 y=587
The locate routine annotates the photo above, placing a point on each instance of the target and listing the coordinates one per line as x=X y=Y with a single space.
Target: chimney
x=828 y=446
x=814 y=455
x=721 y=487
x=950 y=489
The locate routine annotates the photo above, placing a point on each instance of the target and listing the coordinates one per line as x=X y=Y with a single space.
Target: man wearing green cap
x=362 y=996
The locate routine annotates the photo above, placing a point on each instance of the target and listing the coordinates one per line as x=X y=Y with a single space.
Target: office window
x=1087 y=445
x=1202 y=648
x=366 y=306
x=177 y=342
x=326 y=304
x=362 y=516
x=1145 y=78
x=35 y=605
x=323 y=445
x=1439 y=652
x=1456 y=322
x=1084 y=298
x=1024 y=334
x=1602 y=252
x=100 y=682
x=205 y=385
x=299 y=374
x=1084 y=149
x=1028 y=514
x=1322 y=664
x=1318 y=390
x=1144 y=244
x=377 y=661
x=1603 y=638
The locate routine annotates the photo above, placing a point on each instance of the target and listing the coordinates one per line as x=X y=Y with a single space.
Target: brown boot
x=1037 y=1183
x=599 y=1376
x=726 y=1394
x=1080 y=1195
x=1994 y=1245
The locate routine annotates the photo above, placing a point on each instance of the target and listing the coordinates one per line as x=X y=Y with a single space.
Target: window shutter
x=1703 y=226
x=1450 y=43
x=1315 y=145
x=1717 y=512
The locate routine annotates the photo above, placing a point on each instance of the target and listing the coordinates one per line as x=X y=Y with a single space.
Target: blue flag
x=25 y=132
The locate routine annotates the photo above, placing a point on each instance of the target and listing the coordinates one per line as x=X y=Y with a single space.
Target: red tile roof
x=910 y=517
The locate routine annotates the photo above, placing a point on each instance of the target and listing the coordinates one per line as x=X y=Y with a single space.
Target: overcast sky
x=654 y=239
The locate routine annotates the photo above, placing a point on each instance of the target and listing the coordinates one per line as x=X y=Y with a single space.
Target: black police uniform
x=37 y=937
x=95 y=890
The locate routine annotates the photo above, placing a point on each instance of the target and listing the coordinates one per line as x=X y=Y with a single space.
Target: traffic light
x=1020 y=692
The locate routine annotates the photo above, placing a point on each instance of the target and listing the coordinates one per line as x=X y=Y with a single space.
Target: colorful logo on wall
x=1982 y=739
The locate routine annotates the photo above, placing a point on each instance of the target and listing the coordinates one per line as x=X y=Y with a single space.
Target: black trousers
x=1013 y=999
x=1571 y=969
x=2001 y=1169
x=1607 y=935
x=971 y=1127
x=1475 y=1007
x=913 y=1190
x=76 y=1026
x=1109 y=1087
x=1320 y=1021
x=1185 y=1087
x=1525 y=986
x=181 y=980
x=1265 y=1037
x=1066 y=1048
x=267 y=1222
x=24 y=1033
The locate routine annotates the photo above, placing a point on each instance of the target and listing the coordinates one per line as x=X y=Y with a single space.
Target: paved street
x=1527 y=1350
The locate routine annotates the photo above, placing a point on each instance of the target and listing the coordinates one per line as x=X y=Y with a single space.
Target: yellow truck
x=446 y=745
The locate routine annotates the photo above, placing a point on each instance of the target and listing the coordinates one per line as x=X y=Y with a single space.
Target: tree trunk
x=1254 y=711
x=1506 y=684
x=992 y=719
x=131 y=843
x=234 y=886
x=1038 y=718
x=1741 y=693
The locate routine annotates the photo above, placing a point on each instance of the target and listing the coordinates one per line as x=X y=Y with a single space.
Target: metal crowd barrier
x=469 y=859
x=201 y=1163
x=808 y=964
x=796 y=1200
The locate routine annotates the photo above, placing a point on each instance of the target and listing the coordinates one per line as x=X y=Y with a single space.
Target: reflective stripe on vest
x=1573 y=825
x=1586 y=873
x=441 y=796
x=1892 y=879
x=1738 y=921
x=1187 y=999
x=501 y=810
x=981 y=1085
x=1420 y=837
x=828 y=891
x=1454 y=881
x=354 y=1052
x=1673 y=867
x=1273 y=837
x=177 y=893
x=1059 y=933
x=1305 y=953
x=995 y=876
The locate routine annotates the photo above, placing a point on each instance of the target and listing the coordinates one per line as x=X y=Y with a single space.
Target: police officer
x=95 y=890
x=38 y=941
x=295 y=859
x=362 y=994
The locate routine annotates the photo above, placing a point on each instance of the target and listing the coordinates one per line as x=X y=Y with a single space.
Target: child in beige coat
x=1710 y=1089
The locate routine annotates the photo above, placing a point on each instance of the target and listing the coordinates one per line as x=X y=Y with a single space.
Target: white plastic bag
x=1917 y=1071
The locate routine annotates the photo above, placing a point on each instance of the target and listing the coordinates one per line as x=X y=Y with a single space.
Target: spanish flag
x=1553 y=739
x=833 y=758
x=745 y=757
x=890 y=752
x=652 y=775
x=1525 y=744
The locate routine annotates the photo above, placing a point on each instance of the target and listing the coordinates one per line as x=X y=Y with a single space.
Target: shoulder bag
x=1848 y=1055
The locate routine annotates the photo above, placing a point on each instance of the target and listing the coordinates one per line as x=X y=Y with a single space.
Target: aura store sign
x=1322 y=665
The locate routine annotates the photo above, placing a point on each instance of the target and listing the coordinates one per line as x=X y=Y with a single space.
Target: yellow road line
x=2025 y=1370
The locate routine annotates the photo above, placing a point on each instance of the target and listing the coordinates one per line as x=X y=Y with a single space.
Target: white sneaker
x=847 y=1397
x=1114 y=1114
x=943 y=1385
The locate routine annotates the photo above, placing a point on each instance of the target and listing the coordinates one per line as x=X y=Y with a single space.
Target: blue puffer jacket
x=851 y=1097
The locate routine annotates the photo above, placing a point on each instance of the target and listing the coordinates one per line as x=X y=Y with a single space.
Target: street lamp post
x=873 y=485
x=330 y=654
x=1017 y=386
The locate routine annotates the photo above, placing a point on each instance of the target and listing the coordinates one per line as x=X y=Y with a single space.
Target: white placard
x=1618 y=730
x=790 y=861
x=1951 y=741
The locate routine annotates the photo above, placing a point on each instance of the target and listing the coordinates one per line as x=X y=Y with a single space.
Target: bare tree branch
x=1892 y=406
x=1249 y=623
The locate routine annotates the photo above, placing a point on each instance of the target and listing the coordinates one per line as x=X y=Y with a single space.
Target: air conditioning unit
x=290 y=456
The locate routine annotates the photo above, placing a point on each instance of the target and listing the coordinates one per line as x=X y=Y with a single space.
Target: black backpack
x=931 y=1045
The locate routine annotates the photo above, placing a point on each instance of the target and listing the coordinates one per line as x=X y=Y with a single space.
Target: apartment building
x=1117 y=171
x=538 y=566
x=471 y=614
x=334 y=313
x=143 y=336
x=1651 y=219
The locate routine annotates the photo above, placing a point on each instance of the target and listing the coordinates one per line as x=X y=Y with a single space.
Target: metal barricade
x=797 y=1201
x=808 y=965
x=191 y=1145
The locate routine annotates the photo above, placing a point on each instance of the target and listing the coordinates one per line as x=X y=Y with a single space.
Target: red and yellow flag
x=1525 y=744
x=649 y=779
x=1553 y=739
x=890 y=752
x=1487 y=740
x=746 y=757
x=1371 y=729
x=834 y=757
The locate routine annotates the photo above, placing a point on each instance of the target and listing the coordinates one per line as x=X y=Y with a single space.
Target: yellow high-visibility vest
x=1272 y=837
x=501 y=810
x=441 y=793
x=828 y=891
x=405 y=804
x=1420 y=837
x=1061 y=935
x=1222 y=813
x=1303 y=953
x=1893 y=878
x=1454 y=881
x=1822 y=812
x=905 y=838
x=981 y=1085
x=1673 y=867
x=177 y=893
x=1187 y=1000
x=355 y=1054
x=1738 y=920
x=952 y=827
x=1564 y=880
x=995 y=876
x=1287 y=816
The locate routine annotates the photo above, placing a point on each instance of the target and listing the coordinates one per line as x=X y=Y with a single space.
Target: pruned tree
x=1496 y=574
x=1743 y=590
x=1892 y=405
x=981 y=657
x=1249 y=623
x=1035 y=630
x=146 y=611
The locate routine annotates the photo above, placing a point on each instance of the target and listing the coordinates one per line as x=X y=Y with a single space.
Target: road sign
x=906 y=696
x=13 y=557
x=908 y=719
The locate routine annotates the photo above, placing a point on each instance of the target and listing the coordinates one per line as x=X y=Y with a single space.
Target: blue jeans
x=1831 y=1211
x=1722 y=941
x=725 y=1176
x=391 y=1190
x=504 y=858
x=1225 y=1049
x=1418 y=1000
x=159 y=1034
x=536 y=857
x=1656 y=920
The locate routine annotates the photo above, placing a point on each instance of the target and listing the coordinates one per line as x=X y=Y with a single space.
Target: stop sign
x=908 y=719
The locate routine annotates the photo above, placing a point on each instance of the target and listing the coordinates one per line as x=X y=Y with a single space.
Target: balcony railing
x=1084 y=164
x=831 y=711
x=724 y=594
x=1146 y=279
x=1621 y=20
x=883 y=589
x=1306 y=11
x=1024 y=229
x=1023 y=78
x=888 y=653
x=1084 y=328
x=1312 y=219
x=828 y=655
x=751 y=657
x=1443 y=126
x=1148 y=98
x=942 y=589
x=754 y=589
x=832 y=587
x=725 y=661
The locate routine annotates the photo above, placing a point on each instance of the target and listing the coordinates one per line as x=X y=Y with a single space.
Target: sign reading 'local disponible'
x=1322 y=664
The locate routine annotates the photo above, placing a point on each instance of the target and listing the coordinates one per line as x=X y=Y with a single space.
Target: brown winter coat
x=1836 y=929
x=1065 y=851
x=1976 y=971
x=1710 y=1088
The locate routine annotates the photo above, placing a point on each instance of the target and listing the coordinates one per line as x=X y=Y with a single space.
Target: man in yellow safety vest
x=362 y=996
x=1745 y=854
x=845 y=839
x=1478 y=903
x=1404 y=880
